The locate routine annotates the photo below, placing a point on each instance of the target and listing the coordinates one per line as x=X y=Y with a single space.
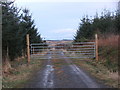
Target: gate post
x=96 y=46
x=28 y=48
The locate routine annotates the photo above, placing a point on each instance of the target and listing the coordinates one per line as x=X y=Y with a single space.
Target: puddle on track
x=48 y=76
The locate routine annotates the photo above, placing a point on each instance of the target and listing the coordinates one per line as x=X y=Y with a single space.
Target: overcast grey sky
x=60 y=20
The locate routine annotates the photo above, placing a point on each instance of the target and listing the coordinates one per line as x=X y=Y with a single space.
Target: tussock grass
x=99 y=71
x=108 y=51
x=17 y=77
x=106 y=69
x=108 y=40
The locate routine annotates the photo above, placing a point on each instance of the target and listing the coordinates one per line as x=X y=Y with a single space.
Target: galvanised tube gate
x=62 y=50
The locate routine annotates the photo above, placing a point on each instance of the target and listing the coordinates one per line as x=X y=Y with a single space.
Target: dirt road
x=60 y=72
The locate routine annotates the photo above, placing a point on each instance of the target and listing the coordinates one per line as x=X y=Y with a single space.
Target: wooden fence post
x=96 y=46
x=28 y=48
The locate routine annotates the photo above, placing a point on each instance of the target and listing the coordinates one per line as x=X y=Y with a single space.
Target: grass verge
x=21 y=73
x=99 y=70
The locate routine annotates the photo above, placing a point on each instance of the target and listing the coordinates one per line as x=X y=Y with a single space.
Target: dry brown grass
x=99 y=71
x=17 y=77
x=106 y=70
x=108 y=40
x=108 y=51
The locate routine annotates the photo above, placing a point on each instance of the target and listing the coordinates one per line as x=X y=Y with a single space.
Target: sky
x=57 y=20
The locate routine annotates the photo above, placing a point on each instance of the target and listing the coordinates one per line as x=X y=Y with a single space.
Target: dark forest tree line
x=108 y=22
x=16 y=23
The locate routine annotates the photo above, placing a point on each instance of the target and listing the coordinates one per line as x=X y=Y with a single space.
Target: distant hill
x=66 y=40
x=54 y=42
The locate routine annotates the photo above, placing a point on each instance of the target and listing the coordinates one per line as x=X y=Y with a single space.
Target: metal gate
x=62 y=50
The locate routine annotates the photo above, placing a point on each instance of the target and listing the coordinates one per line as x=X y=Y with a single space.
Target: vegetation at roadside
x=108 y=52
x=107 y=26
x=21 y=73
x=104 y=72
x=98 y=70
x=107 y=23
x=16 y=24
